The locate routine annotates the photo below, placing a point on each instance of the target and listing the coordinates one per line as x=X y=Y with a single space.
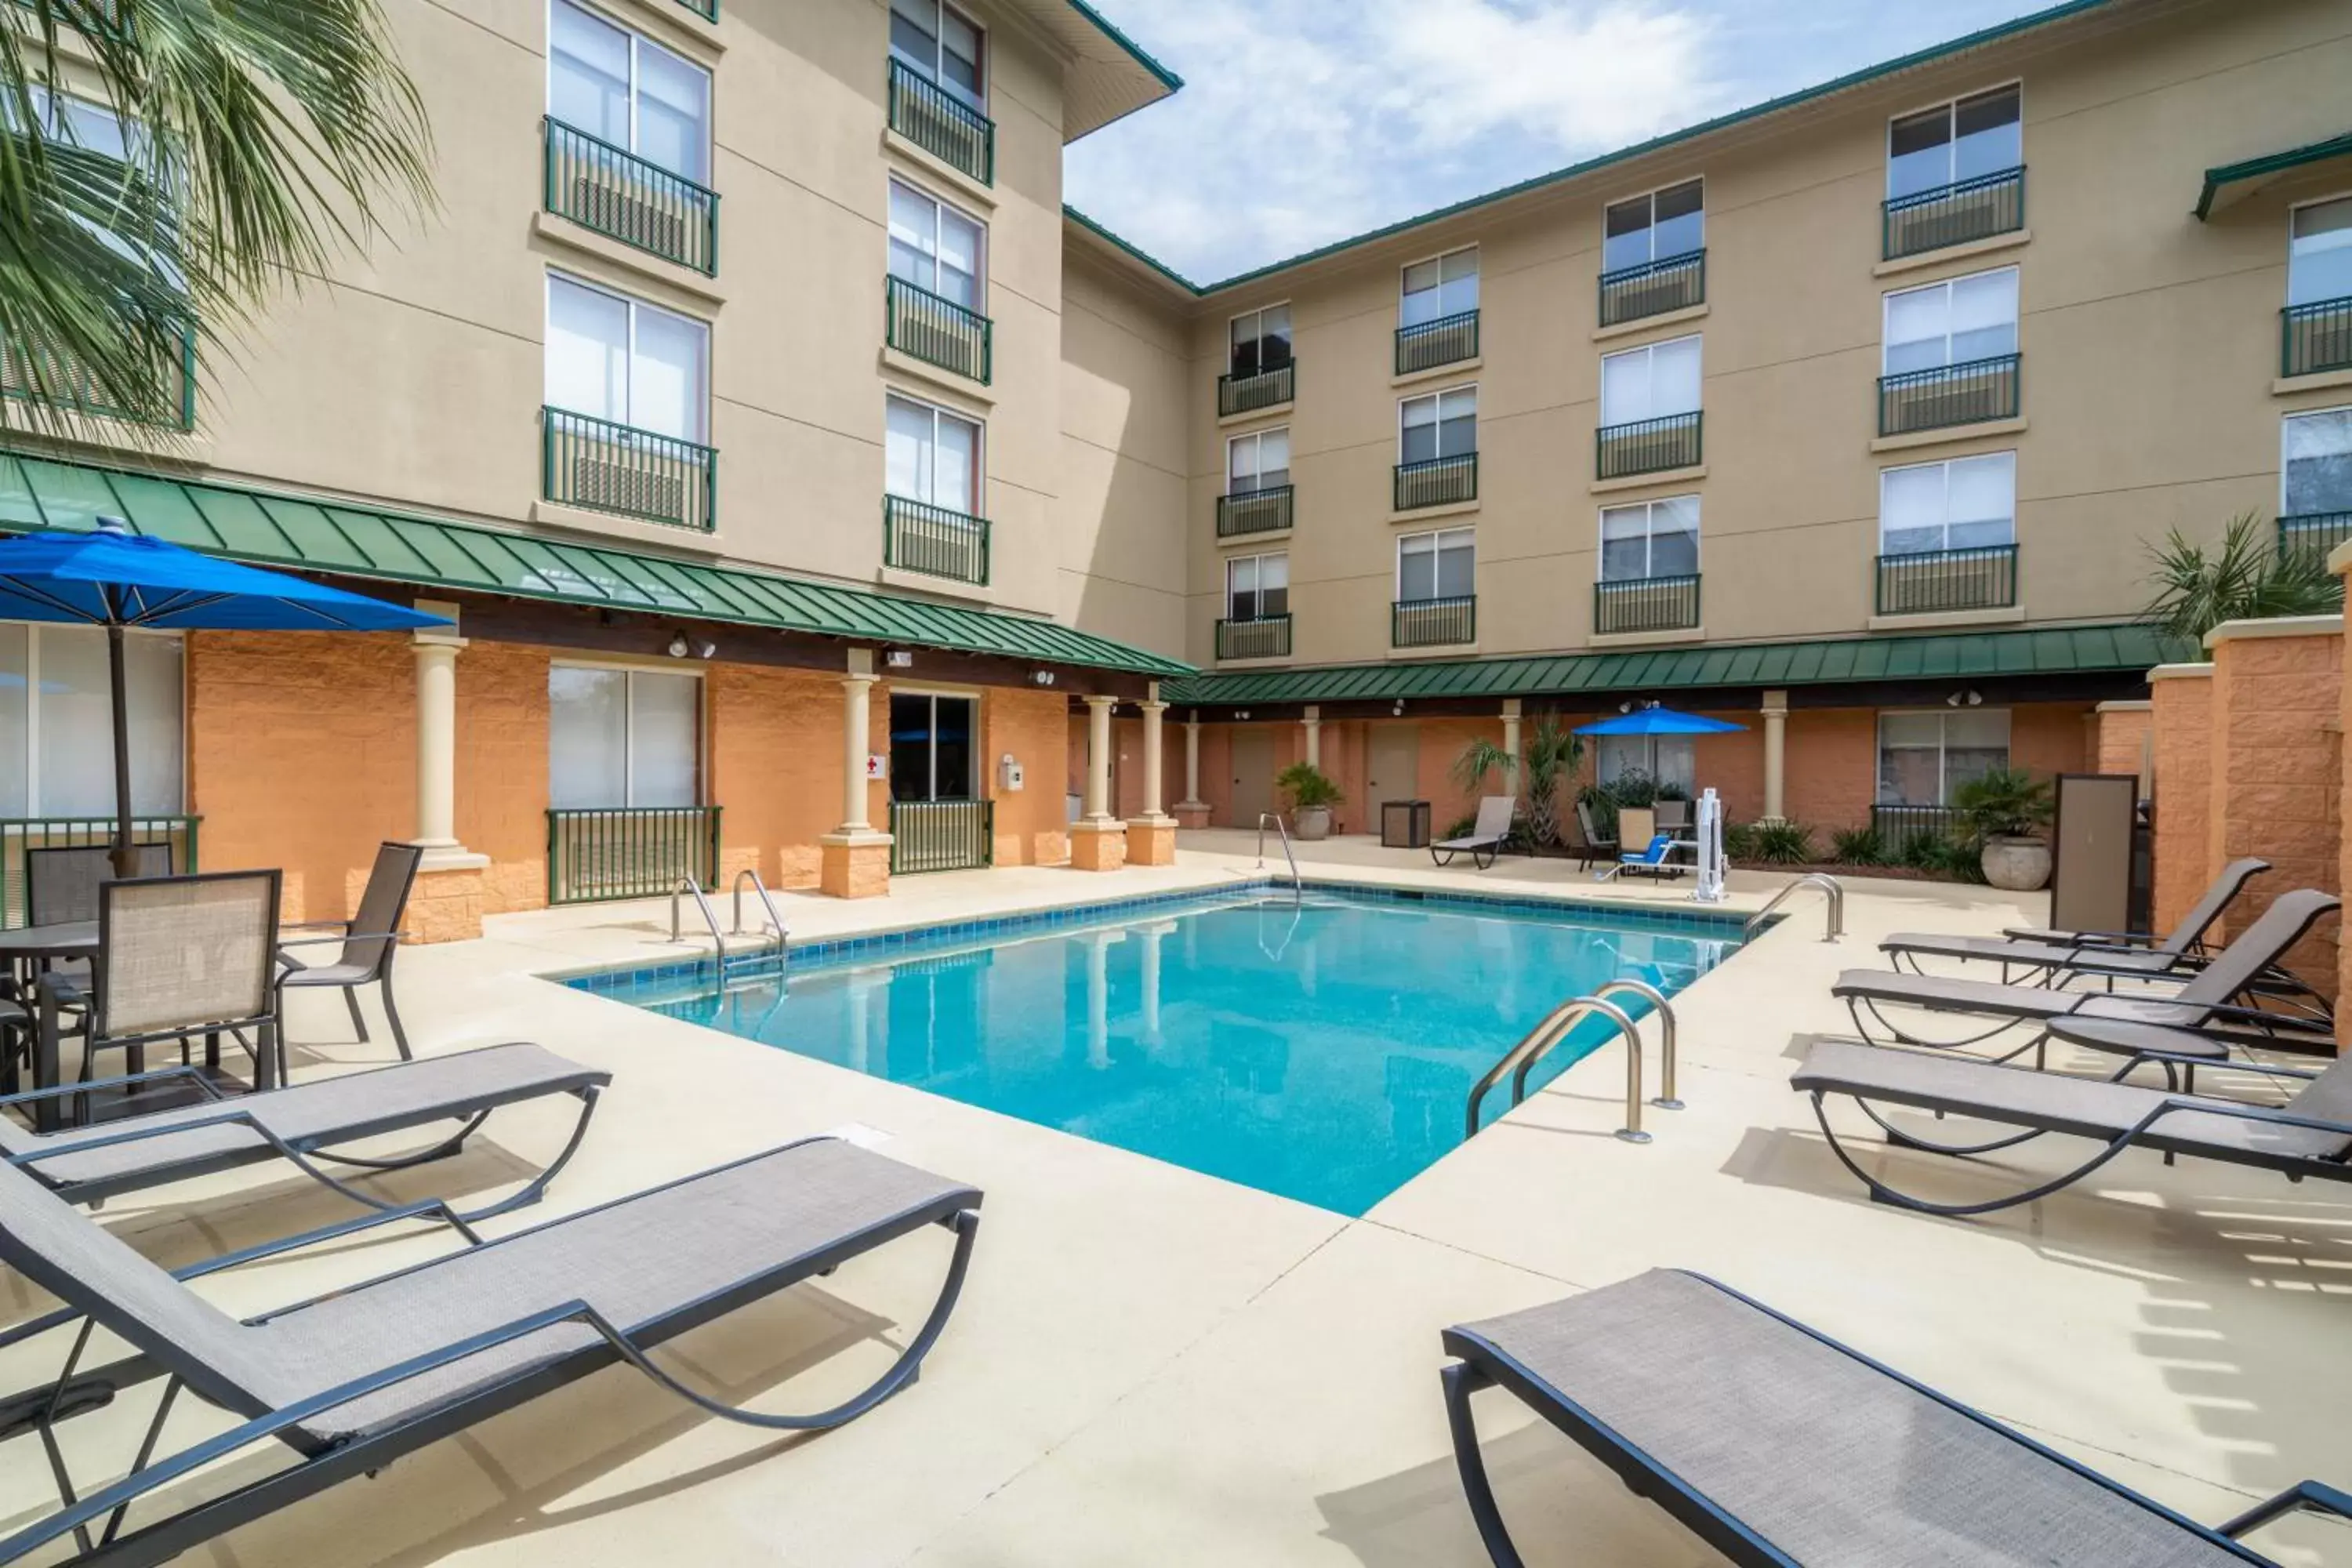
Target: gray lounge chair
x=366 y=943
x=1486 y=838
x=353 y=1380
x=1778 y=1446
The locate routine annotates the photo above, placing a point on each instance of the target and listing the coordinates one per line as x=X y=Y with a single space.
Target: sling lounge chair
x=1656 y=860
x=353 y=1380
x=1778 y=1446
x=1486 y=838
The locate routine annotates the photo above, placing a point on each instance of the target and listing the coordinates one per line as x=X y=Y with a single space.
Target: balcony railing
x=939 y=123
x=1435 y=481
x=1266 y=637
x=1261 y=389
x=1898 y=827
x=920 y=537
x=2314 y=533
x=70 y=385
x=2316 y=337
x=18 y=834
x=705 y=9
x=1648 y=446
x=1646 y=605
x=1965 y=393
x=1445 y=340
x=619 y=195
x=629 y=851
x=602 y=467
x=1653 y=287
x=1954 y=214
x=1254 y=511
x=941 y=836
x=1983 y=577
x=1427 y=622
x=936 y=329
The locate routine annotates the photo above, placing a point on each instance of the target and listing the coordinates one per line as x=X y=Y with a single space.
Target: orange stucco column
x=2181 y=736
x=2123 y=740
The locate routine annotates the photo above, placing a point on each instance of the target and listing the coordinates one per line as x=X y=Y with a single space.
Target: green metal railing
x=937 y=329
x=1956 y=214
x=1648 y=446
x=1653 y=287
x=1445 y=340
x=1426 y=623
x=1435 y=481
x=1898 y=825
x=2314 y=533
x=1966 y=393
x=1254 y=511
x=941 y=836
x=619 y=195
x=629 y=851
x=602 y=467
x=939 y=123
x=1266 y=637
x=70 y=385
x=2316 y=337
x=1983 y=577
x=920 y=537
x=705 y=9
x=1263 y=389
x=1646 y=605
x=18 y=834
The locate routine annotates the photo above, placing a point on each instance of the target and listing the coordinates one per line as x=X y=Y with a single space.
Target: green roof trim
x=310 y=533
x=2262 y=168
x=1954 y=656
x=1109 y=29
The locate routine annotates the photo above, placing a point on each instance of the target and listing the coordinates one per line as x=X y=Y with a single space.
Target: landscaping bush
x=2003 y=802
x=1739 y=841
x=1306 y=784
x=1953 y=859
x=1461 y=827
x=1858 y=847
x=1783 y=843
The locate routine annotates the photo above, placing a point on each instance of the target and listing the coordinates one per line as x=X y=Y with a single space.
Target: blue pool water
x=1322 y=1052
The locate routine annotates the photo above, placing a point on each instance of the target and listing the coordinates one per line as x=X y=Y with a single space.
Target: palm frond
x=2244 y=577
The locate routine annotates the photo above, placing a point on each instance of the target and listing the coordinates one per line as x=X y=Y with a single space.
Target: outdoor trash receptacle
x=1405 y=824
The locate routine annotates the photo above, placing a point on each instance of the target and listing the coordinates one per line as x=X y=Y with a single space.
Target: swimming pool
x=1322 y=1051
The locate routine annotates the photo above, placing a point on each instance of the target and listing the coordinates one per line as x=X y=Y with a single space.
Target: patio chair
x=1598 y=846
x=1486 y=838
x=1656 y=860
x=1672 y=816
x=352 y=1380
x=368 y=942
x=1776 y=1444
x=61 y=881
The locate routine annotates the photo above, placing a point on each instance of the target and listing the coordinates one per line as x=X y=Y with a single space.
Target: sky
x=1305 y=122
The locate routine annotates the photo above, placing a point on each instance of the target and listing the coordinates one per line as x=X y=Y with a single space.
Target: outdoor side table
x=1405 y=824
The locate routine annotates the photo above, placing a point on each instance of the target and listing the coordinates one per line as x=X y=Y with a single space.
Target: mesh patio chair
x=61 y=882
x=368 y=942
x=1598 y=846
x=1674 y=816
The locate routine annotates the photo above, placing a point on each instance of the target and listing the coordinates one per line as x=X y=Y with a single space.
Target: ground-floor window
x=1923 y=757
x=934 y=741
x=56 y=722
x=1668 y=759
x=623 y=737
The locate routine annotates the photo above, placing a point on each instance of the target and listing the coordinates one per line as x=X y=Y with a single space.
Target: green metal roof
x=2254 y=173
x=271 y=529
x=1946 y=656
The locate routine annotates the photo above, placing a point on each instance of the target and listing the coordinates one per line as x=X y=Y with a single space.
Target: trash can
x=1405 y=824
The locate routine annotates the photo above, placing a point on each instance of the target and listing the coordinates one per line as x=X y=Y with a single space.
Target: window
x=1651 y=383
x=1672 y=221
x=618 y=359
x=1960 y=505
x=61 y=117
x=1257 y=587
x=1650 y=539
x=1923 y=758
x=56 y=722
x=940 y=44
x=934 y=247
x=1442 y=565
x=2320 y=252
x=1261 y=341
x=1955 y=141
x=932 y=746
x=1967 y=319
x=1259 y=461
x=622 y=737
x=2315 y=463
x=1442 y=424
x=1667 y=759
x=1445 y=286
x=628 y=90
x=931 y=456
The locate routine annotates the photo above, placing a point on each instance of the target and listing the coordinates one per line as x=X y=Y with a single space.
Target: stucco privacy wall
x=2180 y=711
x=1033 y=728
x=2123 y=732
x=775 y=768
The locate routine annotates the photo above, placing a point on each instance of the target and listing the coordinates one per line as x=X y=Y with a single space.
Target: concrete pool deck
x=1152 y=1366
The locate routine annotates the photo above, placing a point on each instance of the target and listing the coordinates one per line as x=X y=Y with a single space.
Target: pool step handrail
x=775 y=920
x=1665 y=1100
x=1298 y=888
x=1834 y=908
x=688 y=885
x=1554 y=1029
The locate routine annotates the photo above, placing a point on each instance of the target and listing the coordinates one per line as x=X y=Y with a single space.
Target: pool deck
x=1153 y=1366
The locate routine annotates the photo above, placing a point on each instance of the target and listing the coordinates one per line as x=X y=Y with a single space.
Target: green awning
x=2072 y=650
x=272 y=528
x=2234 y=182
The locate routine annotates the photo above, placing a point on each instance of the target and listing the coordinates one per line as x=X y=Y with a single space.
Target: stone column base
x=446 y=903
x=1190 y=813
x=1151 y=841
x=854 y=864
x=1097 y=846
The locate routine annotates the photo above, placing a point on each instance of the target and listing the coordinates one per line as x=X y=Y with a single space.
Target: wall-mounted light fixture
x=1397 y=710
x=1966 y=697
x=677 y=649
x=1043 y=677
x=900 y=659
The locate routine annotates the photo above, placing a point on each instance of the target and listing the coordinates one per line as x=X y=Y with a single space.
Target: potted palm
x=1312 y=795
x=2003 y=809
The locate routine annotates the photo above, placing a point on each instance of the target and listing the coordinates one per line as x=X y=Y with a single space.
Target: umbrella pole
x=125 y=856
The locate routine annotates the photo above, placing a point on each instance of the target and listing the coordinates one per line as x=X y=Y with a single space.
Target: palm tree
x=1555 y=751
x=245 y=144
x=2247 y=578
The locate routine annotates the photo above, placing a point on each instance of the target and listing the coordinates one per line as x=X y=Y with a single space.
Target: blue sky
x=1303 y=121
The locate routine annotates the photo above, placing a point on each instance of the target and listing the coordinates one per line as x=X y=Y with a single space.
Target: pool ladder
x=1522 y=1057
x=1297 y=889
x=775 y=926
x=1834 y=908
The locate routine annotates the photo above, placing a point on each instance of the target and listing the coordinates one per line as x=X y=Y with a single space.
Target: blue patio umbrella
x=1654 y=722
x=117 y=579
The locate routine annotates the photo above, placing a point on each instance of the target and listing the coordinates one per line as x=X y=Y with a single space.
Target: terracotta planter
x=1311 y=822
x=2015 y=865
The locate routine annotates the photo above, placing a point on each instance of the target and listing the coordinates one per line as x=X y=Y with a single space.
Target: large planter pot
x=2015 y=865
x=1311 y=822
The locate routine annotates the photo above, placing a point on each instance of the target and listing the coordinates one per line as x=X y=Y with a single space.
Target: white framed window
x=1653 y=227
x=931 y=456
x=1257 y=461
x=1654 y=382
x=1442 y=286
x=1257 y=587
x=1650 y=539
x=1440 y=565
x=62 y=117
x=2319 y=251
x=618 y=737
x=1925 y=757
x=936 y=247
x=941 y=45
x=628 y=90
x=1439 y=425
x=934 y=745
x=1260 y=341
x=1981 y=134
x=1963 y=504
x=1675 y=758
x=56 y=722
x=1952 y=322
x=619 y=359
x=2315 y=462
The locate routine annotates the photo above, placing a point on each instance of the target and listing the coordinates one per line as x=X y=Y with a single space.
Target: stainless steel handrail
x=1665 y=1100
x=1297 y=889
x=774 y=920
x=1821 y=880
x=1555 y=1023
x=688 y=885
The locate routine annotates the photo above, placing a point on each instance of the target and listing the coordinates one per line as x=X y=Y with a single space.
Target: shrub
x=1667 y=789
x=1306 y=784
x=2003 y=802
x=1602 y=808
x=1632 y=787
x=1739 y=841
x=1783 y=843
x=1461 y=827
x=1858 y=847
x=1953 y=859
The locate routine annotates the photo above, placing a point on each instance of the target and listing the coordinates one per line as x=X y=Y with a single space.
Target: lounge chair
x=1656 y=860
x=1776 y=1444
x=1487 y=838
x=366 y=944
x=352 y=1380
